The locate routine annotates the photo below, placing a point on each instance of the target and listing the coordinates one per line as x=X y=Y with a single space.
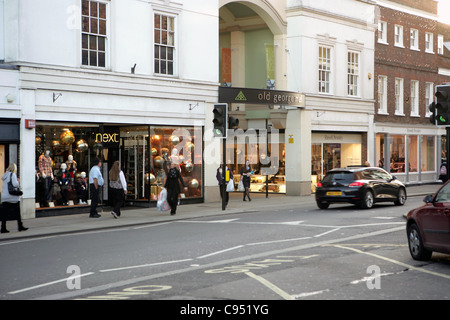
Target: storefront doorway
x=333 y=150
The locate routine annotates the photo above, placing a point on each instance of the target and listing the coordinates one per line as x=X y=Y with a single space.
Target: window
x=414 y=98
x=399 y=36
x=397 y=147
x=428 y=153
x=94 y=33
x=429 y=42
x=399 y=97
x=324 y=69
x=413 y=154
x=429 y=94
x=414 y=39
x=440 y=44
x=382 y=35
x=164 y=44
x=353 y=73
x=382 y=94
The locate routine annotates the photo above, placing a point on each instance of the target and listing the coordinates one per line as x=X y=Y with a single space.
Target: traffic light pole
x=447 y=144
x=224 y=173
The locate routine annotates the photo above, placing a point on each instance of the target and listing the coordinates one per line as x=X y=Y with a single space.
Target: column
x=27 y=154
x=298 y=152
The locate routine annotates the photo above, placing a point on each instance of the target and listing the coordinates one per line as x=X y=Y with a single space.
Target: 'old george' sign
x=259 y=96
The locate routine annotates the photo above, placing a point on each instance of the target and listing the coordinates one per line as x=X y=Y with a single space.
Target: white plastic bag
x=241 y=186
x=162 y=203
x=230 y=186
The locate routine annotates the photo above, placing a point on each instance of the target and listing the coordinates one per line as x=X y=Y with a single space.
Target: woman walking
x=11 y=203
x=246 y=172
x=118 y=186
x=173 y=187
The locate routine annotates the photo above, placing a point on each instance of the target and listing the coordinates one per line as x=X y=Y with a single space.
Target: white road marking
x=309 y=294
x=146 y=265
x=219 y=252
x=50 y=283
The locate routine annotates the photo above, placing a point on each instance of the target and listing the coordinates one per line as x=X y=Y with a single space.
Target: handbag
x=230 y=186
x=241 y=186
x=14 y=191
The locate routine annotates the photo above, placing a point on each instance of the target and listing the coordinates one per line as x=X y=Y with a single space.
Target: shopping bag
x=241 y=186
x=230 y=186
x=162 y=203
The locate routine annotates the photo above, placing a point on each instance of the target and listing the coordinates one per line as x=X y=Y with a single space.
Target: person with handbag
x=118 y=186
x=223 y=180
x=246 y=172
x=11 y=199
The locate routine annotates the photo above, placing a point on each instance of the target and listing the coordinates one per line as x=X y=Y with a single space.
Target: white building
x=119 y=75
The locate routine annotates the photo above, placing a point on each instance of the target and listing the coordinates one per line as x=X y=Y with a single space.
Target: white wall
x=47 y=32
x=338 y=24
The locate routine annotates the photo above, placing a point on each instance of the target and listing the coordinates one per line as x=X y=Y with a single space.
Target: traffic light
x=442 y=105
x=432 y=109
x=233 y=123
x=220 y=112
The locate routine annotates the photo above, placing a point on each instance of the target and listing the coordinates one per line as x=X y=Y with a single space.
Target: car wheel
x=416 y=248
x=367 y=201
x=401 y=197
x=322 y=205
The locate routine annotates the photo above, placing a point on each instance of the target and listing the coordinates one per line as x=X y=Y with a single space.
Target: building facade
x=119 y=80
x=325 y=53
x=408 y=55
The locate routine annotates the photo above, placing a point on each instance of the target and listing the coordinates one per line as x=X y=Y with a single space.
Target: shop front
x=65 y=152
x=9 y=142
x=331 y=150
x=261 y=139
x=413 y=155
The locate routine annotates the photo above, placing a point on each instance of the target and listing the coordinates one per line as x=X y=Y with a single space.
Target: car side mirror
x=428 y=199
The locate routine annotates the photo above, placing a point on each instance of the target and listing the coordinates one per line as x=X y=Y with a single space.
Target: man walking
x=95 y=182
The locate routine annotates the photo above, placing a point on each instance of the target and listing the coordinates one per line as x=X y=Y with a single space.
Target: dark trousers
x=118 y=199
x=94 y=199
x=227 y=195
x=172 y=199
x=10 y=211
x=47 y=192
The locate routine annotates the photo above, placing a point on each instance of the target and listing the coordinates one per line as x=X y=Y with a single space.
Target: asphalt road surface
x=293 y=253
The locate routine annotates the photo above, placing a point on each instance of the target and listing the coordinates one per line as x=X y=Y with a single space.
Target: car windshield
x=341 y=176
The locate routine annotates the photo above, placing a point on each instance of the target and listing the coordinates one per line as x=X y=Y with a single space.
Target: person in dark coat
x=222 y=181
x=172 y=185
x=11 y=203
x=246 y=172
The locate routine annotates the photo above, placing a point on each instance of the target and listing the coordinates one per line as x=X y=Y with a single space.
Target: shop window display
x=147 y=154
x=63 y=155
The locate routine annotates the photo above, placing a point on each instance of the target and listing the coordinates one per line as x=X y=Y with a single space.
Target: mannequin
x=63 y=181
x=45 y=168
x=71 y=166
x=81 y=186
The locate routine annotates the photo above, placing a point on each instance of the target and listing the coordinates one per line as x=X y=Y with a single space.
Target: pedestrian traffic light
x=233 y=123
x=442 y=105
x=220 y=113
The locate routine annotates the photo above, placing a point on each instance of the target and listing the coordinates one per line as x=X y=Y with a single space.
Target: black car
x=362 y=186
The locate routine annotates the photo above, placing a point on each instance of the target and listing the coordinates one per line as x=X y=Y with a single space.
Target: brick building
x=409 y=62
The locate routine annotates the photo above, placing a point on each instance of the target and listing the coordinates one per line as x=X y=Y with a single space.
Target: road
x=292 y=253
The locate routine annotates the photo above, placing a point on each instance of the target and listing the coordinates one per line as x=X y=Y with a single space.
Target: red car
x=428 y=227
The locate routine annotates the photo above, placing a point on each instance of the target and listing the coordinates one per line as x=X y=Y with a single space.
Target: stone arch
x=274 y=18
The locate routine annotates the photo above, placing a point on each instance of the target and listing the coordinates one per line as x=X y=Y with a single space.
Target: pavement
x=134 y=217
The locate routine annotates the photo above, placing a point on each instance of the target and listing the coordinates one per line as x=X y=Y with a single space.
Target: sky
x=444 y=11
